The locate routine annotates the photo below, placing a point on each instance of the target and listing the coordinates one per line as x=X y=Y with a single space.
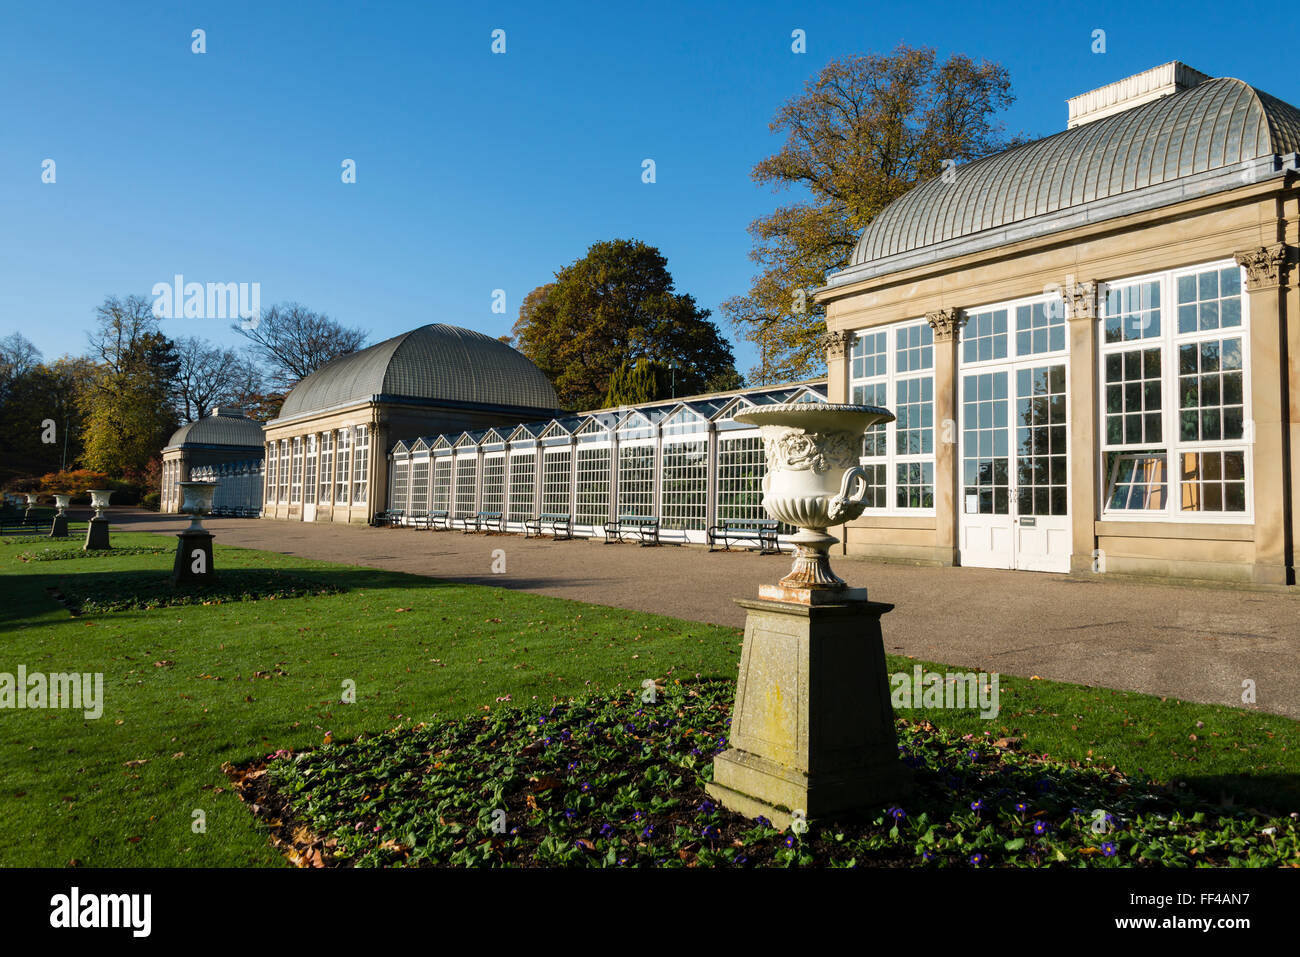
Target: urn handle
x=844 y=505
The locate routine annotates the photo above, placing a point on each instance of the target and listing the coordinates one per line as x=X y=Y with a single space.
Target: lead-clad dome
x=226 y=427
x=434 y=362
x=1216 y=124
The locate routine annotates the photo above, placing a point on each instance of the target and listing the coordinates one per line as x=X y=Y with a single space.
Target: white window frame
x=1169 y=342
x=892 y=458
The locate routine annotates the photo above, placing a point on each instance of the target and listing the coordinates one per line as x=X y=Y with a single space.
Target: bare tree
x=294 y=341
x=209 y=375
x=18 y=356
x=123 y=324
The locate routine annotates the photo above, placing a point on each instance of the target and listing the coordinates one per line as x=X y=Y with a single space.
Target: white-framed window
x=557 y=470
x=360 y=464
x=740 y=479
x=591 y=494
x=326 y=467
x=295 y=476
x=442 y=484
x=893 y=367
x=684 y=498
x=401 y=484
x=1174 y=379
x=419 y=485
x=466 y=485
x=342 y=469
x=309 y=471
x=284 y=472
x=523 y=484
x=272 y=469
x=494 y=480
x=636 y=479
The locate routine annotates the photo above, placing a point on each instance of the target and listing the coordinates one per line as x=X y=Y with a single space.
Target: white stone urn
x=197 y=502
x=813 y=478
x=62 y=501
x=32 y=498
x=99 y=499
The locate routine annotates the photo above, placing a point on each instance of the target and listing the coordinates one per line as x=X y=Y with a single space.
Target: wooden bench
x=561 y=525
x=644 y=527
x=439 y=518
x=486 y=522
x=392 y=518
x=760 y=533
x=418 y=519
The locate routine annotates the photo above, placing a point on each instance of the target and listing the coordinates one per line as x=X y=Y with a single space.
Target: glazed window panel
x=913 y=348
x=361 y=464
x=1040 y=327
x=1133 y=401
x=523 y=481
x=295 y=479
x=875 y=438
x=442 y=484
x=740 y=479
x=986 y=451
x=343 y=466
x=1133 y=312
x=284 y=472
x=466 y=481
x=1138 y=483
x=592 y=493
x=914 y=487
x=1213 y=481
x=914 y=412
x=556 y=484
x=309 y=472
x=685 y=485
x=869 y=356
x=419 y=500
x=1211 y=391
x=326 y=468
x=494 y=478
x=984 y=336
x=401 y=484
x=1041 y=443
x=636 y=478
x=1210 y=299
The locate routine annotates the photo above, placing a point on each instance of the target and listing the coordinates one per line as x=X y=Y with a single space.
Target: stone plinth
x=97 y=534
x=812 y=729
x=59 y=527
x=193 y=565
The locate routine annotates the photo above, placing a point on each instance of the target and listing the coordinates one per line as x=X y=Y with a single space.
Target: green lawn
x=191 y=687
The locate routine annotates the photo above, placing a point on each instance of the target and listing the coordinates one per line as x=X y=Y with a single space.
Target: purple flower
x=648 y=831
x=977 y=859
x=762 y=821
x=706 y=806
x=606 y=830
x=897 y=813
x=586 y=786
x=1021 y=808
x=1041 y=828
x=977 y=806
x=790 y=841
x=1109 y=849
x=711 y=833
x=570 y=813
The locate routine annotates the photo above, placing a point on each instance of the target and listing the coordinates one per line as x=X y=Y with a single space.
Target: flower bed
x=618 y=782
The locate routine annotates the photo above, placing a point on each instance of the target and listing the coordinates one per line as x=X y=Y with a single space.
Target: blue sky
x=475 y=171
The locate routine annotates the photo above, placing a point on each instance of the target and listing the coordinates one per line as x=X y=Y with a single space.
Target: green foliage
x=644 y=380
x=618 y=781
x=617 y=304
x=863 y=132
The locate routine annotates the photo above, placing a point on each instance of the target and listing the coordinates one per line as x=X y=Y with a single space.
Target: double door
x=1013 y=491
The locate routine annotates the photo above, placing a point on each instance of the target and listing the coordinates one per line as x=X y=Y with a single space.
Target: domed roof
x=1218 y=123
x=222 y=427
x=434 y=362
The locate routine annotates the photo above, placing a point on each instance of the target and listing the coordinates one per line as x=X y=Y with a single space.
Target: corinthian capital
x=837 y=344
x=1265 y=266
x=945 y=323
x=1082 y=297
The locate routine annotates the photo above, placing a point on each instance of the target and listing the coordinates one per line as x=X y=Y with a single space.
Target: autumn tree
x=617 y=304
x=294 y=341
x=862 y=133
x=633 y=383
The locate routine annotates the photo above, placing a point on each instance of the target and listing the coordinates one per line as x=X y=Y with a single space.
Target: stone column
x=839 y=347
x=1082 y=397
x=1269 y=418
x=946 y=324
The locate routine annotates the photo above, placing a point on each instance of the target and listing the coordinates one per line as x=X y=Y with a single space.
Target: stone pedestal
x=193 y=565
x=59 y=527
x=97 y=533
x=812 y=729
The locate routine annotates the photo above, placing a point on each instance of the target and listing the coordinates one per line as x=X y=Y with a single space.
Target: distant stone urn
x=99 y=499
x=813 y=478
x=197 y=502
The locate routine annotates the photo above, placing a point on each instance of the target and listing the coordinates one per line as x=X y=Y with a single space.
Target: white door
x=1014 y=495
x=309 y=512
